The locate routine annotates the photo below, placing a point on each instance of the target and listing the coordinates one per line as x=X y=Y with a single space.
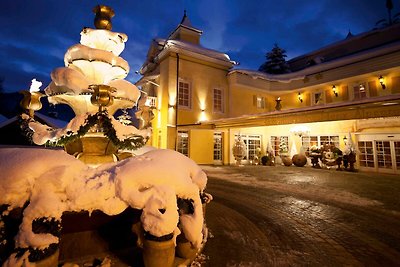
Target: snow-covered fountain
x=39 y=187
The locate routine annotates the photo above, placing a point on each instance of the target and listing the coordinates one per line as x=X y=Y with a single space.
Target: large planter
x=299 y=160
x=158 y=253
x=287 y=161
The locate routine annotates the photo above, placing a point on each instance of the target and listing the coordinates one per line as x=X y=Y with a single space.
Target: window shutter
x=254 y=100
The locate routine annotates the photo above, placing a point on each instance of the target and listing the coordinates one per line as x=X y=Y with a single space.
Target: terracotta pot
x=287 y=161
x=299 y=160
x=158 y=253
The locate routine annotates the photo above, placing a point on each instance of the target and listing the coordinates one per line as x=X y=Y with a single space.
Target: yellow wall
x=203 y=78
x=201 y=146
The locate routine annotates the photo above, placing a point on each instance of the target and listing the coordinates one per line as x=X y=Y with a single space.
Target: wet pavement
x=290 y=216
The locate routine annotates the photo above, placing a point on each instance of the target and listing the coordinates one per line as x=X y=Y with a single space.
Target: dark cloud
x=36 y=34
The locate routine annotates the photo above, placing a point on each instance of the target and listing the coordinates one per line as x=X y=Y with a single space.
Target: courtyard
x=290 y=216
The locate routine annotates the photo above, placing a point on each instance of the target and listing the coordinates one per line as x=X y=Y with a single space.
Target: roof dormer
x=186 y=32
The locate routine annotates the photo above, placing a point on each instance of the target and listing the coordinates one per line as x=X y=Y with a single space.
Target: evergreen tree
x=391 y=19
x=276 y=62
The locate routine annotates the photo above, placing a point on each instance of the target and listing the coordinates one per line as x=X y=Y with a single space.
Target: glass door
x=218 y=148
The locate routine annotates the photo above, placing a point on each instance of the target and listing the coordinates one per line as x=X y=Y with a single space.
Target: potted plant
x=315 y=155
x=284 y=152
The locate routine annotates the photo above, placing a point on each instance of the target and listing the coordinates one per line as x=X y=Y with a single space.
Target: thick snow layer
x=85 y=59
x=104 y=39
x=54 y=182
x=43 y=133
x=125 y=131
x=68 y=80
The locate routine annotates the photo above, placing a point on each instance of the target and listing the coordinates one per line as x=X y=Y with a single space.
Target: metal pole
x=176 y=102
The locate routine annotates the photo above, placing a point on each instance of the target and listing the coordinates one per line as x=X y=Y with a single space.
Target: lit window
x=218 y=146
x=218 y=103
x=366 y=157
x=260 y=102
x=309 y=141
x=184 y=95
x=318 y=98
x=183 y=143
x=277 y=142
x=360 y=91
x=252 y=142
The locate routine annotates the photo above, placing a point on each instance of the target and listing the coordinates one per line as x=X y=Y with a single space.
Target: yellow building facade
x=350 y=89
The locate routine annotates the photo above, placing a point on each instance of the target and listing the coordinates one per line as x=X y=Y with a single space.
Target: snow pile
x=53 y=182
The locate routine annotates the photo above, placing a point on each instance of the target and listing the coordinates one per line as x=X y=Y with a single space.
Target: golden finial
x=103 y=17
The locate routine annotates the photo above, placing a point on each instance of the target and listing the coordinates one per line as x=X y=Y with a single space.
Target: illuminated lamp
x=278 y=105
x=300 y=98
x=382 y=82
x=335 y=92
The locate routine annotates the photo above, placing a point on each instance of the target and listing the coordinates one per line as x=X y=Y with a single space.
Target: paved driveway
x=290 y=216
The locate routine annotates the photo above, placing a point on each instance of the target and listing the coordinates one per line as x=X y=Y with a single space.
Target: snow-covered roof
x=194 y=50
x=352 y=44
x=324 y=66
x=52 y=122
x=185 y=22
x=283 y=78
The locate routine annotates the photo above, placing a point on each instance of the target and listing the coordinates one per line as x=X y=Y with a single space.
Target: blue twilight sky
x=35 y=34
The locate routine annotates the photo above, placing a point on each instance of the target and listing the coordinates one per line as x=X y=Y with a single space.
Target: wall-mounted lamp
x=362 y=88
x=334 y=90
x=345 y=140
x=278 y=105
x=382 y=82
x=171 y=106
x=300 y=98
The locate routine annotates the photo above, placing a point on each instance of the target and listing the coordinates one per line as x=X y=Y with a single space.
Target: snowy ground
x=290 y=216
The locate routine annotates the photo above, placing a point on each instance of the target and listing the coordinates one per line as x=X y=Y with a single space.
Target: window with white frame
x=383 y=153
x=218 y=146
x=309 y=141
x=252 y=143
x=360 y=91
x=366 y=154
x=183 y=142
x=318 y=98
x=276 y=143
x=218 y=100
x=260 y=102
x=184 y=94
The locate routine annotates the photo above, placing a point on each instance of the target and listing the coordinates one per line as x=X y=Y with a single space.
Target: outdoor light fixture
x=300 y=98
x=171 y=106
x=278 y=106
x=335 y=91
x=362 y=88
x=382 y=82
x=300 y=130
x=345 y=140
